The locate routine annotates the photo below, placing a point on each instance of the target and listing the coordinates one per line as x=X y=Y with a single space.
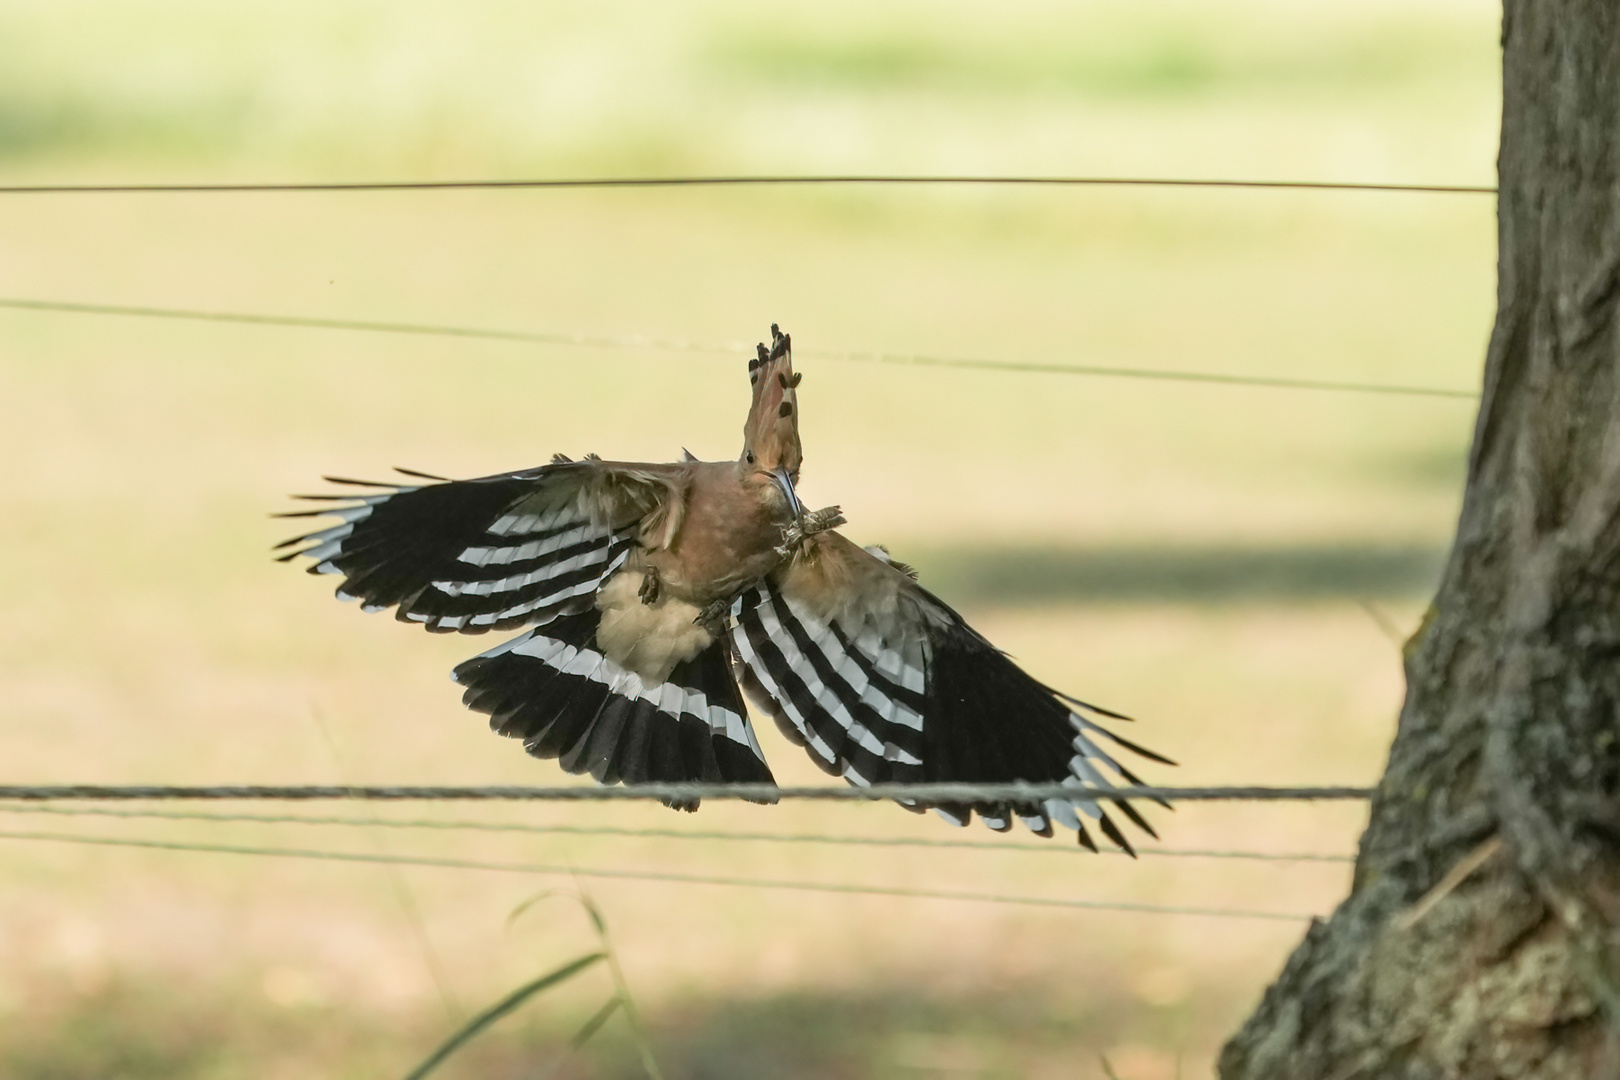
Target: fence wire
x=920 y=793
x=741 y=181
x=525 y=828
x=647 y=875
x=635 y=341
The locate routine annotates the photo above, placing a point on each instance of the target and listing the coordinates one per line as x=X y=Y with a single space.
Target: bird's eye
x=748 y=456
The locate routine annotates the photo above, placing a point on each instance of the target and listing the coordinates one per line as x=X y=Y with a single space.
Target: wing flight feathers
x=487 y=554
x=554 y=689
x=881 y=682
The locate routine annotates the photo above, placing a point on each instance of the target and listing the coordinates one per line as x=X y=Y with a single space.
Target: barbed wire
x=920 y=793
x=738 y=181
x=633 y=341
x=657 y=834
x=649 y=875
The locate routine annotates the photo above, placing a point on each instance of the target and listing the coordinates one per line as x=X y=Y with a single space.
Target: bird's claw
x=715 y=616
x=807 y=525
x=652 y=586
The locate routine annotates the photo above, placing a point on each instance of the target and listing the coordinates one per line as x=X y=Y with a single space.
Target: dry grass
x=1194 y=556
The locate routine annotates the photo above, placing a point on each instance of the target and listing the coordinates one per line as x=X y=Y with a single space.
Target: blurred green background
x=1234 y=567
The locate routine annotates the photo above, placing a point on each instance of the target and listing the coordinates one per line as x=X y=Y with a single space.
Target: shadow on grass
x=890 y=1031
x=148 y=1032
x=1042 y=575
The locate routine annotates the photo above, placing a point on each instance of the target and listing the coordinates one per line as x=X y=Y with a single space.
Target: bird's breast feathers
x=648 y=639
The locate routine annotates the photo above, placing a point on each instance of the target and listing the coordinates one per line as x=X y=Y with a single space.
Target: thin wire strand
x=659 y=834
x=741 y=181
x=604 y=341
x=639 y=875
x=918 y=793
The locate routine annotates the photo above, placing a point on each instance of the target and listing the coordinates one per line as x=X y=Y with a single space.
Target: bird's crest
x=771 y=434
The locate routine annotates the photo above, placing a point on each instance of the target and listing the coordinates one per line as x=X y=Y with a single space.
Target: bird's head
x=771 y=434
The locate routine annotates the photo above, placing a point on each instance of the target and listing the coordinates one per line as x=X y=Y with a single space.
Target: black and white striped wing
x=554 y=689
x=478 y=555
x=883 y=683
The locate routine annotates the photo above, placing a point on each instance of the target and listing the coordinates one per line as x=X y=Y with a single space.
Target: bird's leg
x=652 y=586
x=807 y=525
x=715 y=616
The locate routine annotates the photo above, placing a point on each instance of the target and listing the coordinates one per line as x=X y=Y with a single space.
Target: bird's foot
x=652 y=586
x=715 y=616
x=808 y=525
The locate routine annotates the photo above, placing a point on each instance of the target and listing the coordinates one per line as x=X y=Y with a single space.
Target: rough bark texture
x=1510 y=733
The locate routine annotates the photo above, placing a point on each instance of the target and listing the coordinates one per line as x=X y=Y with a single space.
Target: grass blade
x=501 y=1008
x=583 y=1035
x=638 y=1034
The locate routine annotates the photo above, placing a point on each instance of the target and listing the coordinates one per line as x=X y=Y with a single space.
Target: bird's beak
x=785 y=482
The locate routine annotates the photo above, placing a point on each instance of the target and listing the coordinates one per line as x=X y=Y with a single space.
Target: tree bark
x=1479 y=939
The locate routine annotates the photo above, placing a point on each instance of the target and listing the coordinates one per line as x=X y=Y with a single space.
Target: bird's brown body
x=655 y=592
x=724 y=536
x=717 y=533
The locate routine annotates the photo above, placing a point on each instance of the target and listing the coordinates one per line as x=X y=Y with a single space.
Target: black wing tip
x=1136 y=818
x=1142 y=751
x=1110 y=830
x=420 y=475
x=290 y=541
x=359 y=483
x=1089 y=707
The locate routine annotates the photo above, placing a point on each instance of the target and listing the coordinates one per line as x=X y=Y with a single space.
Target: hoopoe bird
x=657 y=595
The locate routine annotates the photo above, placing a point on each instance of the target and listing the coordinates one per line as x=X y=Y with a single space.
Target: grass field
x=1234 y=567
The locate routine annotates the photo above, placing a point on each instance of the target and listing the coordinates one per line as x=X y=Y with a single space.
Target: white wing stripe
x=855 y=779
x=1087 y=776
x=490 y=618
x=851 y=672
x=335 y=532
x=519 y=581
x=1062 y=813
x=524 y=638
x=321 y=552
x=745 y=649
x=533 y=549
x=824 y=694
x=905 y=671
x=515 y=524
x=669 y=698
x=722 y=721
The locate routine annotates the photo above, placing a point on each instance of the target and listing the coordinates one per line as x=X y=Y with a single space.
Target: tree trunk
x=1479 y=939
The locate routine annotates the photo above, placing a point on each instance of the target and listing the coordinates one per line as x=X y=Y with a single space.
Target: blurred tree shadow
x=1037 y=575
x=139 y=1030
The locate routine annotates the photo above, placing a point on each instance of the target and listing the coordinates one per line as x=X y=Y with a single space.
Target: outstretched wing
x=883 y=683
x=554 y=689
x=486 y=554
x=536 y=547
